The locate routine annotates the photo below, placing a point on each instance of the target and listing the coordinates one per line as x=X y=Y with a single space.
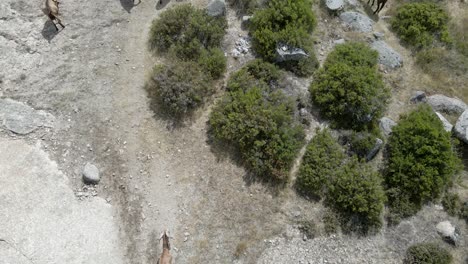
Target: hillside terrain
x=80 y=96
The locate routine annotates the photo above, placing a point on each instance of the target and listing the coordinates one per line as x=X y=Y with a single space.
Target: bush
x=321 y=160
x=427 y=253
x=180 y=87
x=308 y=228
x=285 y=21
x=259 y=122
x=213 y=62
x=185 y=26
x=351 y=96
x=452 y=204
x=357 y=193
x=331 y=222
x=256 y=73
x=353 y=54
x=421 y=160
x=418 y=24
x=348 y=89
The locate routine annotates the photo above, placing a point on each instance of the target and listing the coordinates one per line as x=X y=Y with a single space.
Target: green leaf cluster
x=319 y=165
x=352 y=189
x=357 y=192
x=348 y=89
x=422 y=160
x=289 y=22
x=419 y=24
x=427 y=253
x=258 y=121
x=191 y=39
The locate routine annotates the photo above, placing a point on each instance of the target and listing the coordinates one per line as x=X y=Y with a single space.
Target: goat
x=165 y=257
x=52 y=11
x=380 y=5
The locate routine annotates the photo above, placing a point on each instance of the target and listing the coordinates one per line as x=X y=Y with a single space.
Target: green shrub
x=304 y=67
x=348 y=89
x=185 y=26
x=421 y=160
x=427 y=253
x=179 y=86
x=351 y=96
x=353 y=54
x=357 y=194
x=331 y=222
x=419 y=23
x=285 y=21
x=452 y=204
x=259 y=122
x=361 y=144
x=213 y=62
x=319 y=165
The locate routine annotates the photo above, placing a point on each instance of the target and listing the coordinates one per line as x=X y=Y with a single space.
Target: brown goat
x=380 y=5
x=165 y=257
x=52 y=11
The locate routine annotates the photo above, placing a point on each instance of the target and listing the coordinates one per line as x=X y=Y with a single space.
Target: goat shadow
x=160 y=4
x=128 y=4
x=152 y=250
x=49 y=32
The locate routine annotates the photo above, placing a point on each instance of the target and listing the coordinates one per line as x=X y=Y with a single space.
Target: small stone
x=91 y=174
x=339 y=41
x=186 y=234
x=379 y=35
x=448 y=232
x=418 y=97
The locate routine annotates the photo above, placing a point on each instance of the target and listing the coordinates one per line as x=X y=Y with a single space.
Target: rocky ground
x=76 y=96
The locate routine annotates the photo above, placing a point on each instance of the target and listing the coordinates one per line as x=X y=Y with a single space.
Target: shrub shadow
x=225 y=151
x=152 y=251
x=160 y=4
x=127 y=5
x=48 y=31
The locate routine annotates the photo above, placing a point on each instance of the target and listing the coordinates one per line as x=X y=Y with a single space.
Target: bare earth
x=154 y=176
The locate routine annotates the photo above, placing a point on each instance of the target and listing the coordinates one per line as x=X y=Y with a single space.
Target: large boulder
x=334 y=5
x=447 y=126
x=22 y=119
x=386 y=124
x=461 y=127
x=387 y=56
x=446 y=104
x=357 y=21
x=448 y=232
x=216 y=8
x=288 y=53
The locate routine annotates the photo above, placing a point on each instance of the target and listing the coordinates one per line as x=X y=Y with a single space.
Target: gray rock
x=446 y=104
x=91 y=174
x=21 y=118
x=242 y=47
x=461 y=127
x=447 y=126
x=357 y=21
x=216 y=8
x=387 y=56
x=386 y=124
x=287 y=53
x=448 y=232
x=334 y=5
x=339 y=41
x=418 y=97
x=246 y=19
x=379 y=35
x=375 y=149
